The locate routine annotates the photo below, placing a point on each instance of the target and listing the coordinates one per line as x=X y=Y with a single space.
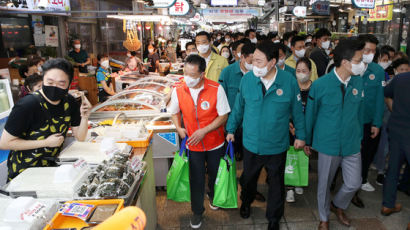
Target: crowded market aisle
x=302 y=214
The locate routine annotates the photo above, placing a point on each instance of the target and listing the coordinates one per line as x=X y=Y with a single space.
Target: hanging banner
x=51 y=36
x=231 y=12
x=180 y=8
x=364 y=4
x=321 y=8
x=383 y=11
x=40 y=6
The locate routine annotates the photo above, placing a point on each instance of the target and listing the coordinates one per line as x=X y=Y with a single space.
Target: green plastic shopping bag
x=226 y=188
x=178 y=176
x=297 y=168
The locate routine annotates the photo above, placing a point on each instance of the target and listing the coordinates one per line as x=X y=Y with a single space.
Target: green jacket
x=373 y=84
x=230 y=79
x=215 y=67
x=290 y=70
x=334 y=124
x=265 y=119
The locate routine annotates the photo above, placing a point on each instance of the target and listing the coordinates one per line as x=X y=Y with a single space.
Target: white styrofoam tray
x=90 y=152
x=41 y=181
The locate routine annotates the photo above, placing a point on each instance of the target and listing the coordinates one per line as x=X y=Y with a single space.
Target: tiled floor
x=301 y=215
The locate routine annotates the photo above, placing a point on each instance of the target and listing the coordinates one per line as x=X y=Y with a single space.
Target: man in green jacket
x=334 y=124
x=214 y=62
x=266 y=100
x=373 y=83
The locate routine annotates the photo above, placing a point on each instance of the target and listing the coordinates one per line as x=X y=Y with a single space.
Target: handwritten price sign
x=381 y=13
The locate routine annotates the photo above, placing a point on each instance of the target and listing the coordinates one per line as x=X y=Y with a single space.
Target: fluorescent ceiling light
x=397 y=10
x=144 y=18
x=334 y=5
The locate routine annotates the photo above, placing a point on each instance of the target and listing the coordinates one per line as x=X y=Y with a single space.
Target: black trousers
x=238 y=144
x=275 y=166
x=369 y=150
x=197 y=169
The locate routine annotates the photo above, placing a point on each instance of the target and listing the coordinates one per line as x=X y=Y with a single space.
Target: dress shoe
x=388 y=211
x=357 y=201
x=323 y=225
x=273 y=225
x=245 y=211
x=259 y=197
x=340 y=214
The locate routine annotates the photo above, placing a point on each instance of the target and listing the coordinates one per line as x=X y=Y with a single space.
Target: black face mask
x=54 y=93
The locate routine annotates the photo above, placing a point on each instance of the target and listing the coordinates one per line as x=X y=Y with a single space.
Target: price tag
x=77 y=210
x=80 y=164
x=35 y=210
x=136 y=164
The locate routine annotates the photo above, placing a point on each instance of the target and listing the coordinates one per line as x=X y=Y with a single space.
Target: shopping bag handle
x=229 y=150
x=183 y=146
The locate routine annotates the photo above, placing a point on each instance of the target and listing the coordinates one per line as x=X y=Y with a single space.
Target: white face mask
x=389 y=62
x=302 y=77
x=308 y=40
x=368 y=58
x=325 y=45
x=218 y=38
x=300 y=53
x=105 y=64
x=40 y=69
x=254 y=40
x=276 y=41
x=384 y=64
x=289 y=45
x=327 y=52
x=227 y=39
x=358 y=69
x=191 y=82
x=77 y=46
x=260 y=72
x=151 y=51
x=203 y=49
x=239 y=54
x=129 y=55
x=281 y=62
x=248 y=66
x=225 y=54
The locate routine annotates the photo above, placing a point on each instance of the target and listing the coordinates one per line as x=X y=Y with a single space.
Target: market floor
x=302 y=214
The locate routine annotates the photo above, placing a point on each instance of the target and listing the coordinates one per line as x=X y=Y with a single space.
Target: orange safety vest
x=201 y=115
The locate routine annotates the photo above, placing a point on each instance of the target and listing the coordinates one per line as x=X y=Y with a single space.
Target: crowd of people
x=325 y=96
x=345 y=100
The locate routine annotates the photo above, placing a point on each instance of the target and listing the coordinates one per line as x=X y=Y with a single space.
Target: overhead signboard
x=364 y=4
x=362 y=13
x=224 y=2
x=299 y=11
x=40 y=6
x=321 y=8
x=233 y=14
x=381 y=12
x=162 y=3
x=181 y=7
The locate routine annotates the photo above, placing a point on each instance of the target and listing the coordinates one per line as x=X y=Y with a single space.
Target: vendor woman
x=38 y=123
x=105 y=87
